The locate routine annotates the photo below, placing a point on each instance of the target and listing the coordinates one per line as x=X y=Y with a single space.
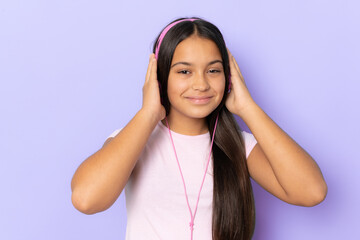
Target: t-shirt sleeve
x=113 y=134
x=250 y=142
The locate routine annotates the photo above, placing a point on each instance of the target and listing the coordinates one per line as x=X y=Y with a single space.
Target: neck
x=187 y=126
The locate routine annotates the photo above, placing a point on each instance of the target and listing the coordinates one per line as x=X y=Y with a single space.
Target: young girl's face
x=196 y=80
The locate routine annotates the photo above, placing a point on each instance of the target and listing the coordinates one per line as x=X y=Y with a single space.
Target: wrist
x=247 y=109
x=147 y=115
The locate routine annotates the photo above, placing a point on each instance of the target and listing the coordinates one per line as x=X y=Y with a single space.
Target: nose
x=200 y=83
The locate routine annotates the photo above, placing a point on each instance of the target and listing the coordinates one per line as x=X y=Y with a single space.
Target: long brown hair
x=233 y=202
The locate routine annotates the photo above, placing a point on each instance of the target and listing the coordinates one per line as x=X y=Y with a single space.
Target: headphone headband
x=163 y=33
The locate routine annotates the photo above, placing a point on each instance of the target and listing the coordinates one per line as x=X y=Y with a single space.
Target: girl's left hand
x=239 y=98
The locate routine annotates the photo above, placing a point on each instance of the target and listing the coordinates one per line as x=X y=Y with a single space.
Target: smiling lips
x=199 y=100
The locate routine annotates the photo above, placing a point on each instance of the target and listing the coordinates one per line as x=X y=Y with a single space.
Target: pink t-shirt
x=155 y=197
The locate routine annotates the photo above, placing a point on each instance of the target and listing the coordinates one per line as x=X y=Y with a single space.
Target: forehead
x=195 y=49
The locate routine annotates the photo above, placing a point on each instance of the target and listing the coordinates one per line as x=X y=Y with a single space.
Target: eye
x=214 y=71
x=184 y=72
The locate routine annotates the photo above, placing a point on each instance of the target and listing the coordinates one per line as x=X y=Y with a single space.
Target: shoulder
x=111 y=136
x=155 y=135
x=248 y=137
x=249 y=141
x=114 y=133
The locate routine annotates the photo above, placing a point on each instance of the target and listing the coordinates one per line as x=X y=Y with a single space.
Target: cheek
x=176 y=87
x=219 y=86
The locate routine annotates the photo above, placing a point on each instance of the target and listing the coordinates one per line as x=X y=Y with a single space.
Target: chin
x=194 y=112
x=199 y=113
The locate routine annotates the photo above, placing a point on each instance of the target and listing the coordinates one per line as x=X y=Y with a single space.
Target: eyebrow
x=189 y=64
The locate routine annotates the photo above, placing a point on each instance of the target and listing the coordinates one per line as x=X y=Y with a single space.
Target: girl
x=193 y=86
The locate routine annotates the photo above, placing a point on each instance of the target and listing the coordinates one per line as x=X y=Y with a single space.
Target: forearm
x=100 y=179
x=294 y=168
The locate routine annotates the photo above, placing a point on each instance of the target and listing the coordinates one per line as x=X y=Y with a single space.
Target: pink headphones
x=191 y=224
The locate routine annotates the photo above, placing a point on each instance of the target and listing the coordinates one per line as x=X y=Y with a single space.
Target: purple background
x=72 y=72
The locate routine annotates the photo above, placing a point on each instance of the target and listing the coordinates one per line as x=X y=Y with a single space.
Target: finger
x=233 y=69
x=232 y=58
x=153 y=74
x=148 y=69
x=237 y=66
x=229 y=53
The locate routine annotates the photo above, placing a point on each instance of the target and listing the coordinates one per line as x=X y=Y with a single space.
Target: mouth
x=199 y=100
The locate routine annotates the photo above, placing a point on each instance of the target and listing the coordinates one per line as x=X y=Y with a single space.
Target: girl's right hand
x=151 y=94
